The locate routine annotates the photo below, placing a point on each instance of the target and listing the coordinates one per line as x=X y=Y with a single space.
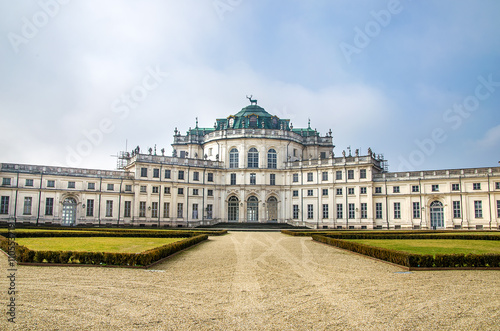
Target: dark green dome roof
x=253 y=109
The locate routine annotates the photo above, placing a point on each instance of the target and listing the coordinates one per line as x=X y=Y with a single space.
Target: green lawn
x=435 y=246
x=95 y=244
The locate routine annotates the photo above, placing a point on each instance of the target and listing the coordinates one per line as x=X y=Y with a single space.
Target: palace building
x=252 y=167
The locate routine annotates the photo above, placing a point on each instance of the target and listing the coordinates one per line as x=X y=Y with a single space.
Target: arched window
x=252 y=209
x=253 y=158
x=69 y=211
x=437 y=215
x=233 y=209
x=233 y=158
x=271 y=159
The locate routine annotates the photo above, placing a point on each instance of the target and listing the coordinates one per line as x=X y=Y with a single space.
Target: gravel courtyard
x=254 y=281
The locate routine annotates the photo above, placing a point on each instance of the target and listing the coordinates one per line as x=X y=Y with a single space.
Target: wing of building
x=252 y=167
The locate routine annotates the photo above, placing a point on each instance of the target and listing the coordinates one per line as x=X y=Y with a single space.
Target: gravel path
x=254 y=281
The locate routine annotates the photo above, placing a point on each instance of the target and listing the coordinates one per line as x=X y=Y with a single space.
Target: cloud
x=491 y=138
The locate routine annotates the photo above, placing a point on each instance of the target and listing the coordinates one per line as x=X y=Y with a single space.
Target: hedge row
x=368 y=232
x=462 y=236
x=415 y=260
x=23 y=254
x=141 y=234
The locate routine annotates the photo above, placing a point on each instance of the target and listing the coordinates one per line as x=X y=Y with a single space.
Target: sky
x=416 y=81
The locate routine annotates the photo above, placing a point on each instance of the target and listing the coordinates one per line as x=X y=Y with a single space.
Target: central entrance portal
x=233 y=209
x=437 y=215
x=272 y=209
x=69 y=211
x=252 y=209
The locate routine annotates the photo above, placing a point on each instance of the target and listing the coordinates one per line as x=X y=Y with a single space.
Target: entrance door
x=252 y=209
x=69 y=211
x=272 y=209
x=233 y=209
x=437 y=215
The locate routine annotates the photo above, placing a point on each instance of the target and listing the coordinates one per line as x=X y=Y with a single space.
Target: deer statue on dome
x=252 y=101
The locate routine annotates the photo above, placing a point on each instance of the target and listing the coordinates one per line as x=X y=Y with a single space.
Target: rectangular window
x=364 y=210
x=362 y=173
x=111 y=187
x=155 y=190
x=180 y=210
x=310 y=193
x=416 y=209
x=142 y=209
x=395 y=189
x=233 y=179
x=339 y=191
x=210 y=193
x=324 y=176
x=71 y=184
x=415 y=188
x=49 y=206
x=195 y=211
x=478 y=209
x=498 y=208
x=166 y=209
x=338 y=175
x=91 y=186
x=143 y=188
x=476 y=186
x=196 y=176
x=4 y=205
x=183 y=154
x=195 y=191
x=457 y=210
x=295 y=215
x=322 y=155
x=210 y=212
x=378 y=189
x=109 y=208
x=29 y=182
x=144 y=172
x=295 y=178
x=168 y=173
x=51 y=183
x=435 y=188
x=295 y=193
x=253 y=179
x=180 y=191
x=350 y=174
x=6 y=181
x=310 y=212
x=128 y=188
x=166 y=190
x=210 y=177
x=90 y=207
x=325 y=211
x=378 y=210
x=497 y=185
x=181 y=175
x=325 y=191
x=156 y=173
x=309 y=176
x=127 y=210
x=340 y=210
x=154 y=209
x=397 y=210
x=352 y=211
x=455 y=187
x=27 y=205
x=350 y=190
x=362 y=190
x=272 y=179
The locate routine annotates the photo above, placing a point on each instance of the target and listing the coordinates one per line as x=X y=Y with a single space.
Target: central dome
x=253 y=109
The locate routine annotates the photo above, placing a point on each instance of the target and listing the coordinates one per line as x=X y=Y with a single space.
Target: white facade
x=252 y=167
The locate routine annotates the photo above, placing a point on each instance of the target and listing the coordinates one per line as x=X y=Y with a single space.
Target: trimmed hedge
x=415 y=260
x=398 y=235
x=23 y=254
